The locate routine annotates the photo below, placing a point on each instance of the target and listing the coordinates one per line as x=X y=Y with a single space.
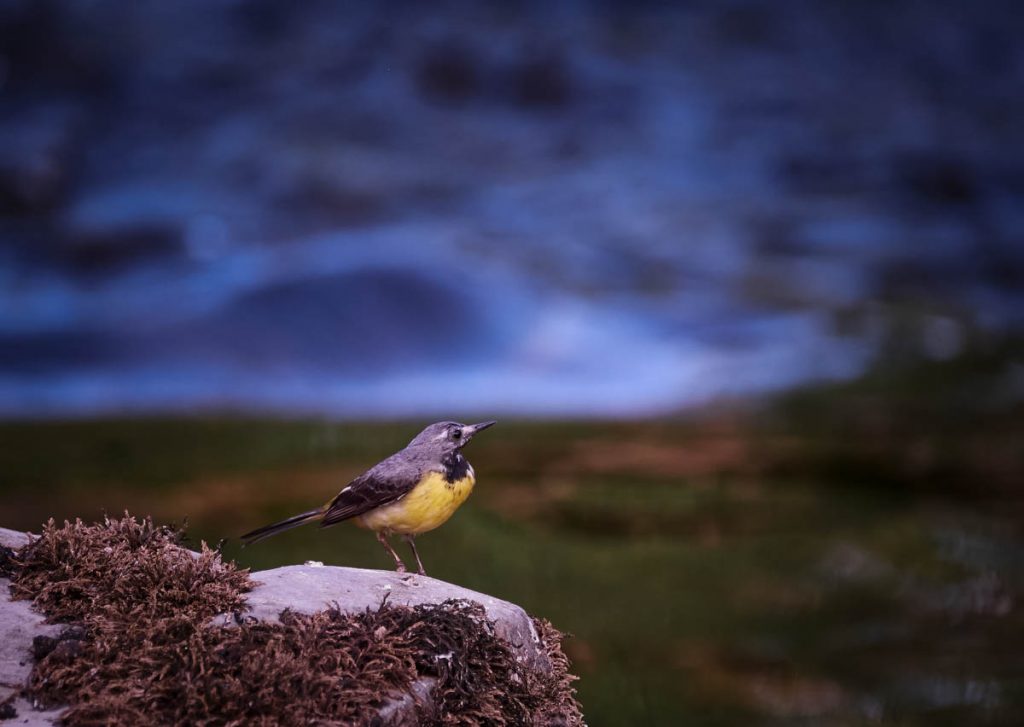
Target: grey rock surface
x=19 y=624
x=300 y=588
x=401 y=710
x=312 y=588
x=13 y=538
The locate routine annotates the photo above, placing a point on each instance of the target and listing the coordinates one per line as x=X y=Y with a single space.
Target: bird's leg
x=411 y=540
x=399 y=565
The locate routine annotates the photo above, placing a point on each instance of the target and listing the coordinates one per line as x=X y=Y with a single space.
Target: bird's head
x=449 y=436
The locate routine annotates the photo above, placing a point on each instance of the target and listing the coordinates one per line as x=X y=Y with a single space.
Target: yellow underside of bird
x=427 y=506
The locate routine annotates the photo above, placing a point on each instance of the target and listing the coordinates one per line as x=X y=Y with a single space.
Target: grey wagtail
x=412 y=491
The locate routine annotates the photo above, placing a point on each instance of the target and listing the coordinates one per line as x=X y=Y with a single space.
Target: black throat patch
x=456 y=467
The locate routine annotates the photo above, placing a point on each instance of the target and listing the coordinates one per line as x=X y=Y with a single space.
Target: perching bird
x=412 y=491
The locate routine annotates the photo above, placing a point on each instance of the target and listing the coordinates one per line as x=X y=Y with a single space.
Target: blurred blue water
x=593 y=209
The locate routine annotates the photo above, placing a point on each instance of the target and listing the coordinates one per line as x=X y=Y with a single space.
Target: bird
x=411 y=492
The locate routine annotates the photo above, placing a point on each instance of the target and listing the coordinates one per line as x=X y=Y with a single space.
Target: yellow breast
x=427 y=506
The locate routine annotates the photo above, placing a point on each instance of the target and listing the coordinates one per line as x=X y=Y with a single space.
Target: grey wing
x=382 y=484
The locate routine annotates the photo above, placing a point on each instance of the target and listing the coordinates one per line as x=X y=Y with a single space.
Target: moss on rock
x=140 y=646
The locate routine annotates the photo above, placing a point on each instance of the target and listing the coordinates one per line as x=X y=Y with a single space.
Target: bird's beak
x=474 y=428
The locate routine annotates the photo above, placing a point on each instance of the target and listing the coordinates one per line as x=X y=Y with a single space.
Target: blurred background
x=743 y=281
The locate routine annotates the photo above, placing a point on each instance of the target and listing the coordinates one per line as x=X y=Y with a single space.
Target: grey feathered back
x=392 y=478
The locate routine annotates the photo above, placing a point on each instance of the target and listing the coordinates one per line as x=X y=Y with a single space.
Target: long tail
x=293 y=522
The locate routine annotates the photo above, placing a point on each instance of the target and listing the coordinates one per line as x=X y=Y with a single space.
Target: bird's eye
x=456 y=434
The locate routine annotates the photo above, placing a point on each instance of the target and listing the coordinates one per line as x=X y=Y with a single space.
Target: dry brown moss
x=556 y=704
x=140 y=648
x=6 y=561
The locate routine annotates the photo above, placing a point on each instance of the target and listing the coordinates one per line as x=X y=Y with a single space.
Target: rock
x=311 y=588
x=308 y=589
x=401 y=710
x=20 y=626
x=13 y=538
x=304 y=589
